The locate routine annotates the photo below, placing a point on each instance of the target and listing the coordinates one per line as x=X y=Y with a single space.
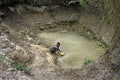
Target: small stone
x=12 y=45
x=23 y=78
x=11 y=69
x=49 y=22
x=29 y=38
x=12 y=79
x=1 y=13
x=64 y=31
x=11 y=9
x=42 y=9
x=41 y=28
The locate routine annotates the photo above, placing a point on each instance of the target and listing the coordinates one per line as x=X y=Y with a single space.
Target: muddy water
x=76 y=48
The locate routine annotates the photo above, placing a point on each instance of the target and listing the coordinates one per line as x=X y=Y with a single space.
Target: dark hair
x=58 y=44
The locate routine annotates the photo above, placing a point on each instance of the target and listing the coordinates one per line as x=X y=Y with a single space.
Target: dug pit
x=78 y=49
x=42 y=31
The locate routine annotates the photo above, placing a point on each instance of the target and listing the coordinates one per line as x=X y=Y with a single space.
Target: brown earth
x=23 y=25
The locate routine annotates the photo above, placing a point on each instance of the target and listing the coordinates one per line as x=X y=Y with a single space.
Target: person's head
x=58 y=44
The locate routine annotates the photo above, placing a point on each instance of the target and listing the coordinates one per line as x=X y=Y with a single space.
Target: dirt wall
x=109 y=12
x=108 y=9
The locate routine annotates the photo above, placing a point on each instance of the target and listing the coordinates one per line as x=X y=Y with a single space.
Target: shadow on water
x=76 y=48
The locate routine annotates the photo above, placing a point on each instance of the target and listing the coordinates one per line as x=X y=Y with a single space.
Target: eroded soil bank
x=22 y=30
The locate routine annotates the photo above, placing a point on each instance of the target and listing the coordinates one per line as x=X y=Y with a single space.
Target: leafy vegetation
x=20 y=67
x=2 y=58
x=105 y=20
x=86 y=62
x=81 y=2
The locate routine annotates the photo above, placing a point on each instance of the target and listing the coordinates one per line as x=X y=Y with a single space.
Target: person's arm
x=59 y=50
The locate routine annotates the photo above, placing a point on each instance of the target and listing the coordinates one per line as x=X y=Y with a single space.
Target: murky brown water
x=76 y=48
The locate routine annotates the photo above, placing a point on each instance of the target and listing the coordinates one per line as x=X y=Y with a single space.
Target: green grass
x=82 y=3
x=2 y=58
x=86 y=62
x=20 y=67
x=105 y=20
